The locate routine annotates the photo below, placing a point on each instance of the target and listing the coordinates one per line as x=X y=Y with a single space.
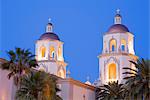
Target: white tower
x=118 y=49
x=49 y=53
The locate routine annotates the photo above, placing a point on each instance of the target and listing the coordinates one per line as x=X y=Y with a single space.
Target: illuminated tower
x=49 y=53
x=118 y=49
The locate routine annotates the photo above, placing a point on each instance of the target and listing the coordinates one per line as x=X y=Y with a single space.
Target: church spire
x=117 y=19
x=49 y=27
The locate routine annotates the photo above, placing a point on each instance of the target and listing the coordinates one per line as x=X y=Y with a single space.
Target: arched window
x=112 y=45
x=123 y=44
x=123 y=47
x=59 y=52
x=113 y=48
x=43 y=51
x=52 y=52
x=112 y=71
x=61 y=73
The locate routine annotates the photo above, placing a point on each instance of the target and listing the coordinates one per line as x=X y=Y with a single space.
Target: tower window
x=112 y=71
x=122 y=47
x=112 y=45
x=61 y=74
x=43 y=51
x=123 y=44
x=52 y=52
x=59 y=52
x=113 y=48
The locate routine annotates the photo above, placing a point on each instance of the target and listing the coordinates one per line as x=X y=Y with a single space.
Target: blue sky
x=80 y=24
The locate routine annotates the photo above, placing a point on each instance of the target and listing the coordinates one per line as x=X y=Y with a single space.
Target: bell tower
x=118 y=49
x=49 y=53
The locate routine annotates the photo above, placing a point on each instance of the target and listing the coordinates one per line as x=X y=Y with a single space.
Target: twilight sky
x=80 y=24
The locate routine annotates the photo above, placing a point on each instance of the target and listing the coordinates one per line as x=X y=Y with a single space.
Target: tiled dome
x=118 y=28
x=49 y=36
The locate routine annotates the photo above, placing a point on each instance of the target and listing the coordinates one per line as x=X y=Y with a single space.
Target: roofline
x=3 y=60
x=76 y=82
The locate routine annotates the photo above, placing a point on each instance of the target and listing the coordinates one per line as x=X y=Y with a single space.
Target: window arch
x=61 y=73
x=112 y=71
x=59 y=51
x=123 y=44
x=52 y=52
x=112 y=45
x=43 y=51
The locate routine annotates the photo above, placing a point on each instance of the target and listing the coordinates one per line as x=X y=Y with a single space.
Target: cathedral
x=118 y=49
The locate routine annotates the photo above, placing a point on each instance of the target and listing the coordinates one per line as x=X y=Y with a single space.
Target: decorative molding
x=113 y=60
x=118 y=54
x=50 y=41
x=108 y=33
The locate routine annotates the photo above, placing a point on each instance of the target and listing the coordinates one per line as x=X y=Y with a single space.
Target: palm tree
x=138 y=80
x=112 y=91
x=38 y=86
x=20 y=62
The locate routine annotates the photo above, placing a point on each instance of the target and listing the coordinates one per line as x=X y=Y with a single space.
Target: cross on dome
x=118 y=11
x=49 y=19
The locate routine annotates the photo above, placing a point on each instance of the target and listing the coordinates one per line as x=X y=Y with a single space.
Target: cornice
x=58 y=62
x=49 y=41
x=118 y=54
x=76 y=82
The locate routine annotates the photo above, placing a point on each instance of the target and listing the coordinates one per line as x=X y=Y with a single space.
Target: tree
x=38 y=86
x=20 y=62
x=112 y=91
x=138 y=80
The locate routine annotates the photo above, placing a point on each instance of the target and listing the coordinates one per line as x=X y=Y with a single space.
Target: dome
x=50 y=24
x=49 y=36
x=118 y=28
x=117 y=15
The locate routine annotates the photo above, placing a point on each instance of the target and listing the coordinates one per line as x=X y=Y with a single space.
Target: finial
x=68 y=73
x=49 y=19
x=118 y=11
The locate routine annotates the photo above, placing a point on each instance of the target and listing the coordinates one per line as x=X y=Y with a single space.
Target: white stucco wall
x=51 y=65
x=118 y=36
x=119 y=57
x=7 y=89
x=48 y=43
x=75 y=90
x=120 y=60
x=82 y=93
